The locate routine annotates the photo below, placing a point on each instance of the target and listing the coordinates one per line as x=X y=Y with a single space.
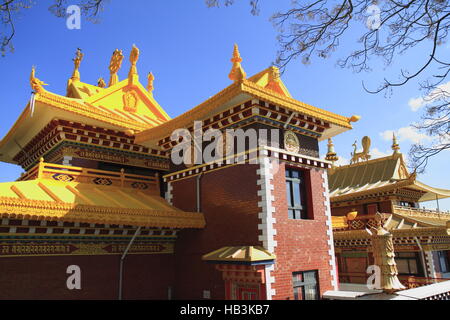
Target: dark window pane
x=288 y=173
x=295 y=174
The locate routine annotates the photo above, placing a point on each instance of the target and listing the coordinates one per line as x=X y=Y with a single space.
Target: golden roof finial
x=77 y=61
x=331 y=154
x=114 y=66
x=150 y=79
x=237 y=73
x=35 y=83
x=134 y=56
x=101 y=83
x=395 y=146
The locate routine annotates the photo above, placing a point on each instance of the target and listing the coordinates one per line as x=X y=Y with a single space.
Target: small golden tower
x=114 y=66
x=77 y=61
x=237 y=73
x=395 y=146
x=134 y=57
x=331 y=154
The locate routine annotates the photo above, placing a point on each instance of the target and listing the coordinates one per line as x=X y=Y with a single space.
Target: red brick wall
x=145 y=277
x=230 y=205
x=301 y=244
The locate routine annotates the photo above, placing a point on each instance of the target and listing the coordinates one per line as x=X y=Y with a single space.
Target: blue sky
x=188 y=48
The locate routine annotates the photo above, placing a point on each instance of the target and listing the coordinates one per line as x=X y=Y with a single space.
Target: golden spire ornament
x=237 y=73
x=395 y=146
x=331 y=154
x=150 y=79
x=114 y=66
x=134 y=56
x=77 y=61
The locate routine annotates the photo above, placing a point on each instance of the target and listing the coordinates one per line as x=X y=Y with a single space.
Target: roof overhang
x=28 y=125
x=430 y=192
x=235 y=94
x=249 y=255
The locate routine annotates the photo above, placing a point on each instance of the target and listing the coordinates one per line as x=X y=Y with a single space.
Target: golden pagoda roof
x=125 y=105
x=377 y=175
x=73 y=194
x=240 y=254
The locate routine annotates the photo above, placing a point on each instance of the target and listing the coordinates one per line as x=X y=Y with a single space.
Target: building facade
x=102 y=194
x=384 y=186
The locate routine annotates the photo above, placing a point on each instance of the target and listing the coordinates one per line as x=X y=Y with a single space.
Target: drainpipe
x=424 y=261
x=198 y=191
x=123 y=258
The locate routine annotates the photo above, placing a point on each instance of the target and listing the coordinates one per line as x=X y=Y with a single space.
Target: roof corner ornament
x=354 y=118
x=383 y=253
x=134 y=57
x=237 y=73
x=331 y=154
x=395 y=146
x=36 y=84
x=150 y=79
x=77 y=61
x=114 y=66
x=364 y=155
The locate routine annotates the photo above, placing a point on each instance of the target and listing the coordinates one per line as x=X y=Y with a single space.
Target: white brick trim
x=330 y=239
x=168 y=194
x=266 y=216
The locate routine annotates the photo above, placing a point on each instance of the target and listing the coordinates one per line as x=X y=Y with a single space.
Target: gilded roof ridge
x=298 y=102
x=370 y=161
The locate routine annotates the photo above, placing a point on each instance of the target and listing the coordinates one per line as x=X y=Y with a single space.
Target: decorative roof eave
x=431 y=193
x=294 y=105
x=11 y=208
x=240 y=255
x=397 y=233
x=26 y=126
x=240 y=87
x=389 y=187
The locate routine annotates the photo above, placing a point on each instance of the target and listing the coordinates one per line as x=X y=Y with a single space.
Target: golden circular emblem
x=291 y=142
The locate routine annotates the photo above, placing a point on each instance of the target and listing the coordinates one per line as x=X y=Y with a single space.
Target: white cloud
x=406 y=134
x=417 y=103
x=376 y=153
x=342 y=161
